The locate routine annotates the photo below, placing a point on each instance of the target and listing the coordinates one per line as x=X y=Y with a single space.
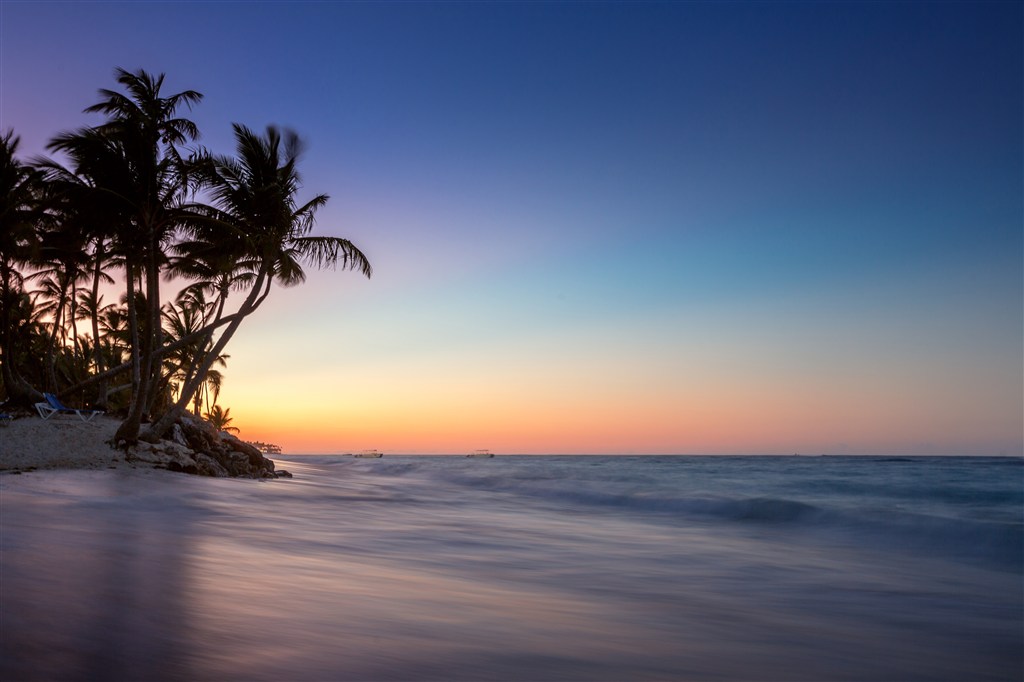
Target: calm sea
x=519 y=568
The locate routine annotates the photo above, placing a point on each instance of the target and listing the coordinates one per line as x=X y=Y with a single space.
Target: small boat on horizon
x=481 y=453
x=369 y=454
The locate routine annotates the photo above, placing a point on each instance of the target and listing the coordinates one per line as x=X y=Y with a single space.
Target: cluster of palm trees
x=128 y=199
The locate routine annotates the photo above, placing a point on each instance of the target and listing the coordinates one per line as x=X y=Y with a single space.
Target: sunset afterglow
x=706 y=228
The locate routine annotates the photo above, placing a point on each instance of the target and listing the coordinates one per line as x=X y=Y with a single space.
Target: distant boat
x=481 y=453
x=369 y=454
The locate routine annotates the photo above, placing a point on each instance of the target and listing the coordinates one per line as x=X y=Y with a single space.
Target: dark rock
x=208 y=466
x=178 y=436
x=196 y=447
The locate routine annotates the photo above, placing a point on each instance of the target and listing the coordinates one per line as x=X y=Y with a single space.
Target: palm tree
x=21 y=214
x=91 y=308
x=62 y=260
x=258 y=223
x=189 y=314
x=135 y=165
x=220 y=418
x=89 y=213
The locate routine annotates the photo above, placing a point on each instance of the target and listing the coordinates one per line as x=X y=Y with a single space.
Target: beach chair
x=53 y=406
x=5 y=419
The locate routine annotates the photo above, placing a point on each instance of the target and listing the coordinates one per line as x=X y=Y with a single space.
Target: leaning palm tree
x=264 y=231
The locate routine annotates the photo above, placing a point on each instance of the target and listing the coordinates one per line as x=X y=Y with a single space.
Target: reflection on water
x=89 y=590
x=351 y=575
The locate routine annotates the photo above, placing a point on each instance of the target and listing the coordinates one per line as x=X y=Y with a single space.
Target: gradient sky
x=607 y=227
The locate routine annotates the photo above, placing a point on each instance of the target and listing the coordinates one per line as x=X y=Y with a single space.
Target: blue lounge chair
x=53 y=406
x=5 y=419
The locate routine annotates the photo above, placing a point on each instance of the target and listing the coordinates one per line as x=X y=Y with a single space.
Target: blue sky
x=695 y=211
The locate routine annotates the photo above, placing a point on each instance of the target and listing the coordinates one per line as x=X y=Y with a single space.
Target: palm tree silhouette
x=21 y=214
x=123 y=196
x=189 y=313
x=87 y=214
x=220 y=418
x=260 y=232
x=135 y=165
x=62 y=261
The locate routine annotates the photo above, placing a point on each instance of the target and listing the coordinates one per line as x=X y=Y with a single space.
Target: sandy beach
x=60 y=443
x=195 y=447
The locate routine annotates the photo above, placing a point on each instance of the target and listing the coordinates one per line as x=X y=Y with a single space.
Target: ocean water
x=519 y=568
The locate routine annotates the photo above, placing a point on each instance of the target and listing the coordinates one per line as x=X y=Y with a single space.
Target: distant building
x=265 y=448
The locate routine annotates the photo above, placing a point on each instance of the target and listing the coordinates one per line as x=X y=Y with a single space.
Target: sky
x=693 y=227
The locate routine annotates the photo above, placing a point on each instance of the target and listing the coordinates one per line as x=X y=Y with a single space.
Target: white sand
x=60 y=442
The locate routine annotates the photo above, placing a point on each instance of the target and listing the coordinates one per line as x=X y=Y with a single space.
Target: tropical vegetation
x=194 y=241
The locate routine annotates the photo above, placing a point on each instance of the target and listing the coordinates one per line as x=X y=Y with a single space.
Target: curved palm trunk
x=256 y=296
x=160 y=352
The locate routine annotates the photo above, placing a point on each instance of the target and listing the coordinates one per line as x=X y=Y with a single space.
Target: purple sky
x=655 y=227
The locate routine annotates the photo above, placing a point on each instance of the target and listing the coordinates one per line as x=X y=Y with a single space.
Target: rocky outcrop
x=196 y=447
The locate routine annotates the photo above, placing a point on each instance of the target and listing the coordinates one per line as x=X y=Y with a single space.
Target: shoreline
x=66 y=442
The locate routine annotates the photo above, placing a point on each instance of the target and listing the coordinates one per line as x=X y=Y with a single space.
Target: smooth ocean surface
x=519 y=568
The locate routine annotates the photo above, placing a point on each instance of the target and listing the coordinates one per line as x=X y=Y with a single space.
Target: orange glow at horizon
x=715 y=380
x=726 y=420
